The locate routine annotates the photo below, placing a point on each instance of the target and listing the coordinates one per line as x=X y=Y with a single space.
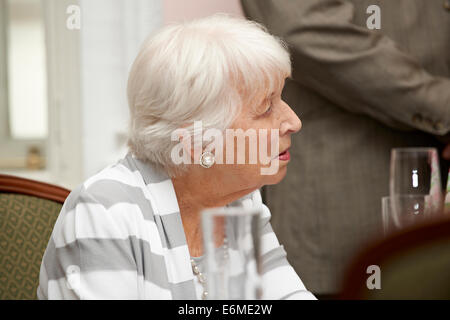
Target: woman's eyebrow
x=268 y=97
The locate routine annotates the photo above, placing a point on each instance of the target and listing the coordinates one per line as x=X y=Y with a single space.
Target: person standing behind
x=360 y=93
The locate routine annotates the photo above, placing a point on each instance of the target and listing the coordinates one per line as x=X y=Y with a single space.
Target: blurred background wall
x=63 y=71
x=178 y=10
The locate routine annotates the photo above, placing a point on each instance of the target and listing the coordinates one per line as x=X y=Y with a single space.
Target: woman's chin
x=277 y=177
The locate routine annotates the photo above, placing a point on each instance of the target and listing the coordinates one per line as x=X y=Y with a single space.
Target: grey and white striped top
x=119 y=235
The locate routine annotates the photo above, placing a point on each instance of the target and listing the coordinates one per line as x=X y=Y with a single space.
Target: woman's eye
x=269 y=109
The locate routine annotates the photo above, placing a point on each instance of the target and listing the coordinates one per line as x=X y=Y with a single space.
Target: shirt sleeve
x=280 y=281
x=89 y=255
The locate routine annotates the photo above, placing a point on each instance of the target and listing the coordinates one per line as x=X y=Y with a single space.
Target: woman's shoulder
x=111 y=204
x=115 y=188
x=113 y=184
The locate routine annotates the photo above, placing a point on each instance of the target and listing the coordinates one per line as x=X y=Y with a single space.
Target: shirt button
x=417 y=118
x=447 y=5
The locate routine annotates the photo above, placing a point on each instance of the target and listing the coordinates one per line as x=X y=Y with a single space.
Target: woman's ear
x=192 y=147
x=182 y=152
x=192 y=150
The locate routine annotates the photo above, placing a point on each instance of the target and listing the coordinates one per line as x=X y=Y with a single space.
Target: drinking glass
x=231 y=239
x=401 y=211
x=415 y=171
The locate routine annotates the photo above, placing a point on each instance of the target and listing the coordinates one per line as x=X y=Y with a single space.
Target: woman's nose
x=292 y=122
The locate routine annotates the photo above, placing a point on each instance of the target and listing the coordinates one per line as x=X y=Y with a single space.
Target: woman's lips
x=284 y=156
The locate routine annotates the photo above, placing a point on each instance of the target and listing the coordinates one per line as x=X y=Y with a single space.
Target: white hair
x=201 y=70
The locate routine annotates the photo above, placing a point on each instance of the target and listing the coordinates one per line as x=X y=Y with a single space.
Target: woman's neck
x=196 y=190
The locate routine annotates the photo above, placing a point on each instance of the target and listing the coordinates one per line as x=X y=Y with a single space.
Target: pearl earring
x=207 y=159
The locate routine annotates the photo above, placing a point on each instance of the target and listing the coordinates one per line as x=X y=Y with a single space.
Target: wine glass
x=231 y=239
x=401 y=211
x=415 y=171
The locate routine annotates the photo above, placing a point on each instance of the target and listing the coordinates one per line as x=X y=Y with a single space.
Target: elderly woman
x=133 y=230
